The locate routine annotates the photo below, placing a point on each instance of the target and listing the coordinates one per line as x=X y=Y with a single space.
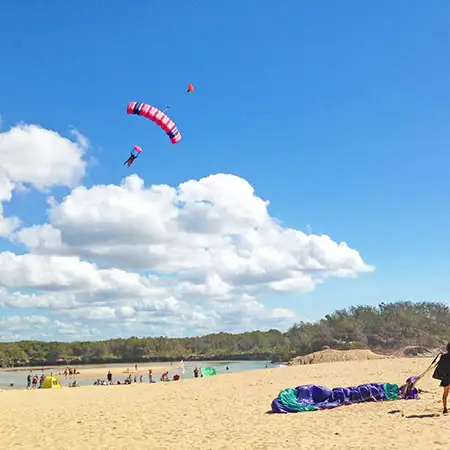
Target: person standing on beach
x=29 y=381
x=109 y=377
x=443 y=371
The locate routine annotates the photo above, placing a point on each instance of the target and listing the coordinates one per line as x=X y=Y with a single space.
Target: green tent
x=208 y=371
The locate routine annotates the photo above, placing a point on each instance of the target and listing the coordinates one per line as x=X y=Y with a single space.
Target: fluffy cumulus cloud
x=31 y=156
x=135 y=259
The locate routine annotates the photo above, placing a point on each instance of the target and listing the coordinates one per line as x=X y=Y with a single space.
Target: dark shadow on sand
x=422 y=416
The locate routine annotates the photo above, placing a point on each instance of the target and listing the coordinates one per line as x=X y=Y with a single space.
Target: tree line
x=384 y=328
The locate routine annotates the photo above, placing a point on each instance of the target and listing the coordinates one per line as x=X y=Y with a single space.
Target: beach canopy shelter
x=51 y=383
x=208 y=371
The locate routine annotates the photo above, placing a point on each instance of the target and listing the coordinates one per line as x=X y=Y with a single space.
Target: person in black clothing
x=130 y=160
x=443 y=368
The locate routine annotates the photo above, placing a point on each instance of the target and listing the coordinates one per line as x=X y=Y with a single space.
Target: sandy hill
x=329 y=355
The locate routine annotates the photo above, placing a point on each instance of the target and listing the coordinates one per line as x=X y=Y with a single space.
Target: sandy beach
x=228 y=412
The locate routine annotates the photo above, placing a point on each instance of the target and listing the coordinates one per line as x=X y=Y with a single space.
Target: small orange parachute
x=190 y=88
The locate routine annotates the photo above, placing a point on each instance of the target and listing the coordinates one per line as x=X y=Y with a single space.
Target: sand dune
x=330 y=355
x=228 y=412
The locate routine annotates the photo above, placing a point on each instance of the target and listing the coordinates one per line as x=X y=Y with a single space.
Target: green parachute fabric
x=289 y=397
x=208 y=371
x=392 y=391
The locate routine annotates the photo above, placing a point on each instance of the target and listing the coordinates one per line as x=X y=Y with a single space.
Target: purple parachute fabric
x=312 y=397
x=408 y=392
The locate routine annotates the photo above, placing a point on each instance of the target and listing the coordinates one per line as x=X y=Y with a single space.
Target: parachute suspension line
x=412 y=383
x=189 y=89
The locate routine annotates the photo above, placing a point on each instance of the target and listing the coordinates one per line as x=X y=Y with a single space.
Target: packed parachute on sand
x=312 y=397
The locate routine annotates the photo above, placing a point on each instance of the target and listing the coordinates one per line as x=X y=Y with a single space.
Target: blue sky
x=335 y=112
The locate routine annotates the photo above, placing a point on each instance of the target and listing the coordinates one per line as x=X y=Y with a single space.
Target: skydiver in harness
x=130 y=160
x=133 y=155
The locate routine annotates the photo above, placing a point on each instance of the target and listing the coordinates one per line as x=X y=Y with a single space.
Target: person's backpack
x=436 y=374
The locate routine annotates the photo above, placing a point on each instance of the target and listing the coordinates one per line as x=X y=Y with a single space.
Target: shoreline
x=175 y=362
x=144 y=383
x=88 y=375
x=191 y=359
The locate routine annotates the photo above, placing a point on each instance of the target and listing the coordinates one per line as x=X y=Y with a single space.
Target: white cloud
x=43 y=158
x=39 y=158
x=201 y=231
x=17 y=327
x=130 y=258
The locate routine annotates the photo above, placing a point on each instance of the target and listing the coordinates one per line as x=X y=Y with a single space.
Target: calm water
x=19 y=379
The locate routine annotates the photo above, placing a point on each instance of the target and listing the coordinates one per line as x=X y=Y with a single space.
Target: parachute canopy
x=313 y=397
x=190 y=88
x=157 y=116
x=137 y=149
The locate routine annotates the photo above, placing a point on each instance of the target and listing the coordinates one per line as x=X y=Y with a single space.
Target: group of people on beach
x=138 y=377
x=35 y=381
x=69 y=372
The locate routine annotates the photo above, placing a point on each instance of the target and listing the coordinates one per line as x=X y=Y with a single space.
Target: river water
x=19 y=378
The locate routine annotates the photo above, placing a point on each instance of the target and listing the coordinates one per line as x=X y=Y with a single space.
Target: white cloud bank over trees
x=136 y=259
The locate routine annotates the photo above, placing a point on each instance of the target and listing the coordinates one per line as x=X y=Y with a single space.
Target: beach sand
x=228 y=412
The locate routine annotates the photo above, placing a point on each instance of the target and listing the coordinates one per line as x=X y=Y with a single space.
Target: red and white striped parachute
x=156 y=116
